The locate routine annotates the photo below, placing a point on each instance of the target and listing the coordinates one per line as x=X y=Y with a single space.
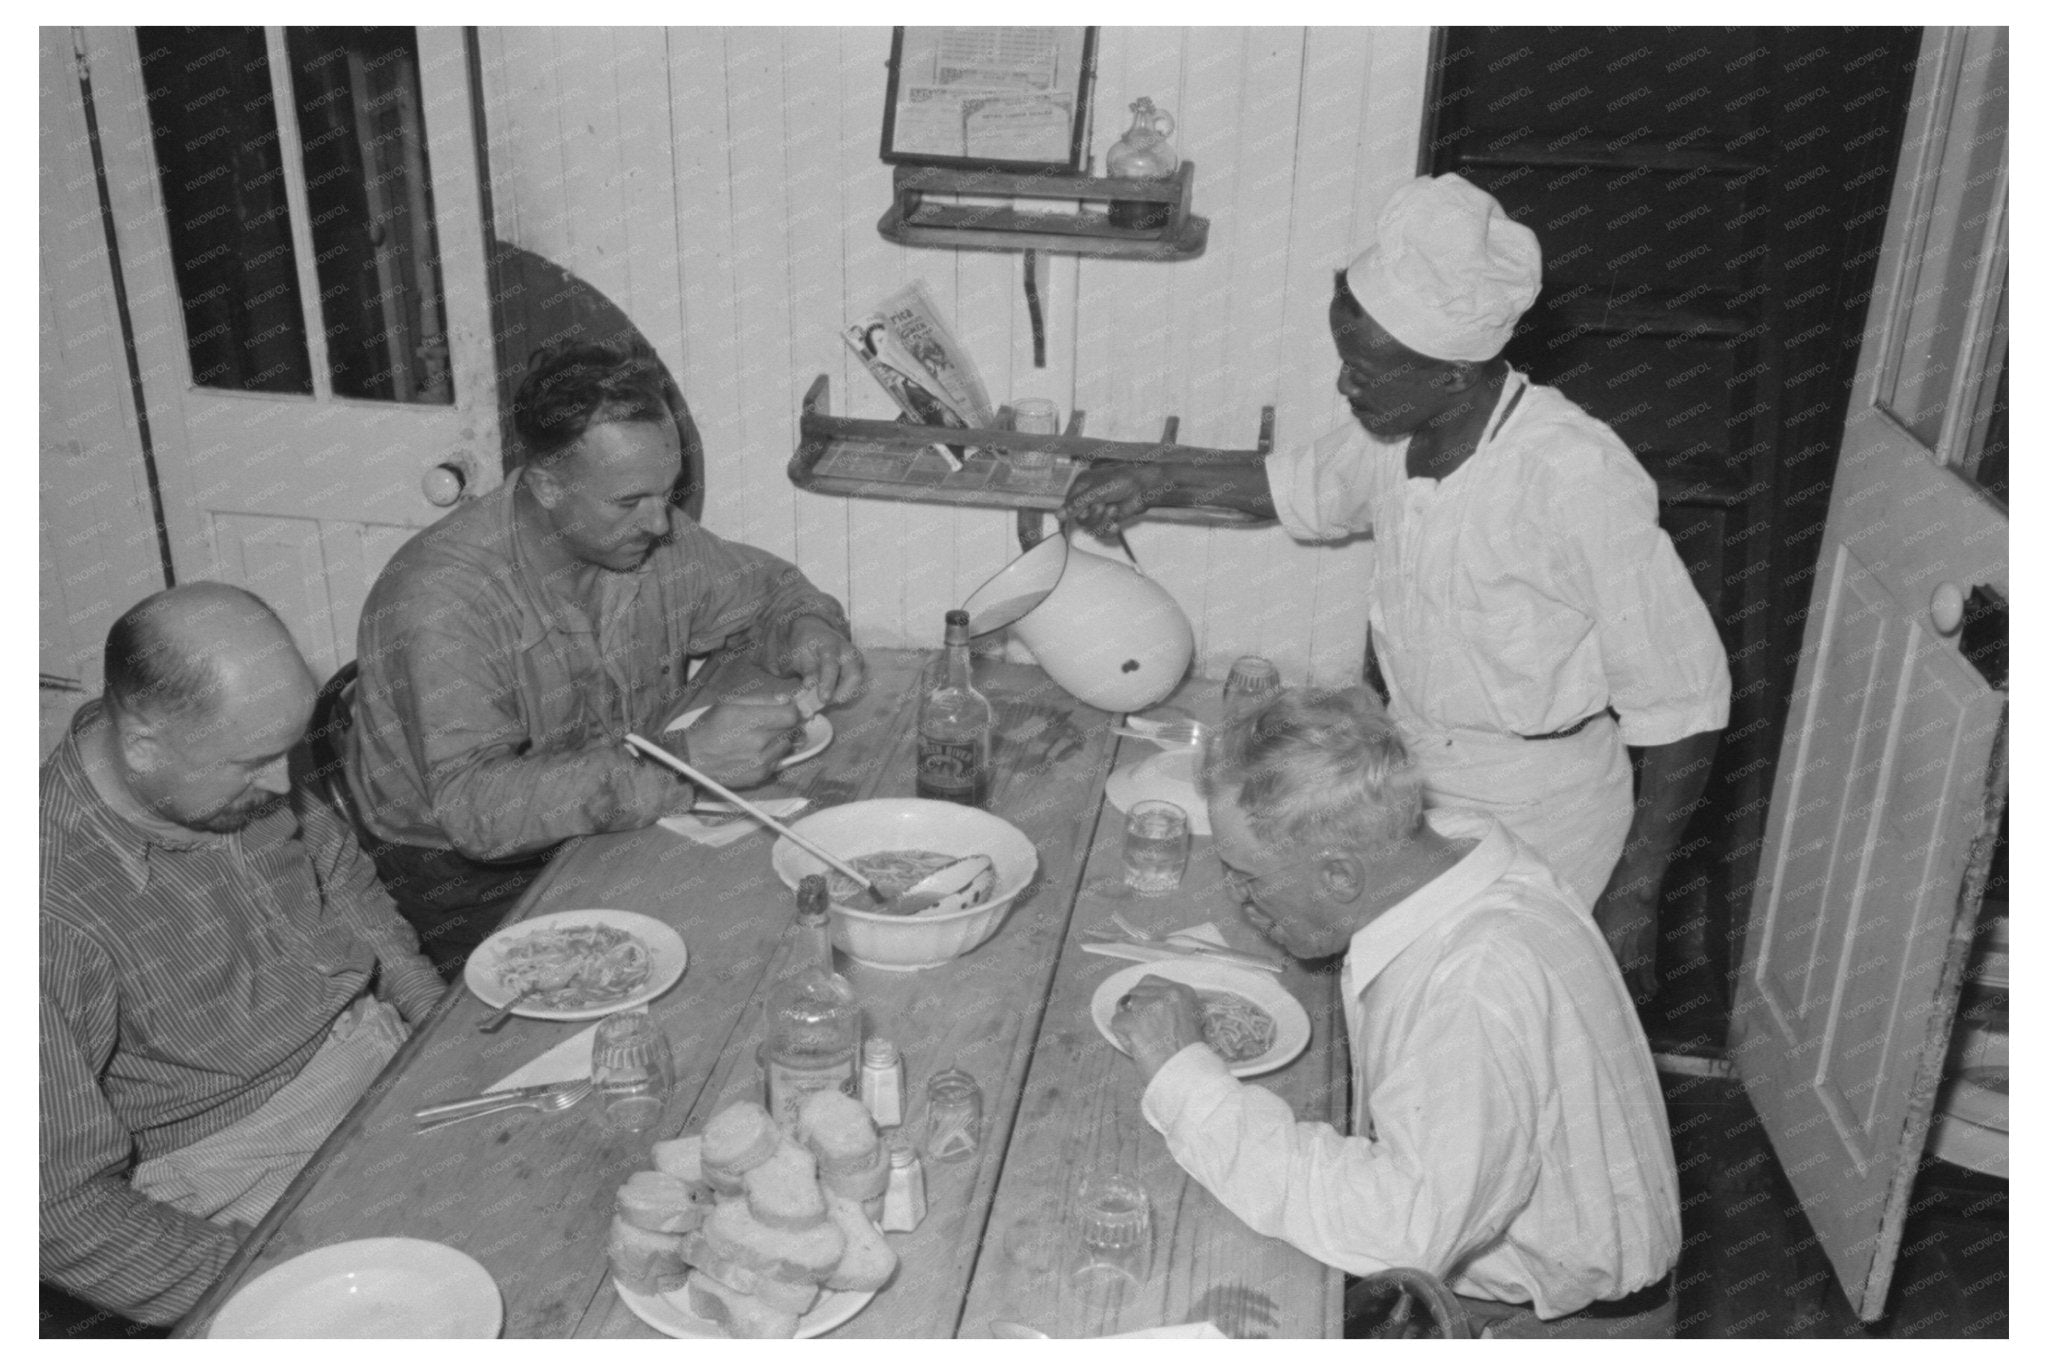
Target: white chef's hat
x=1448 y=272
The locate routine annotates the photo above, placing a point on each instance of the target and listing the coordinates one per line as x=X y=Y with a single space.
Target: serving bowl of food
x=895 y=842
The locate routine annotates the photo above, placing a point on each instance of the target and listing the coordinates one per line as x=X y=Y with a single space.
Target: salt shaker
x=881 y=1082
x=903 y=1204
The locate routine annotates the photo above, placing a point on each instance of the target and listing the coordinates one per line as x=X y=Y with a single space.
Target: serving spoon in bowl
x=957 y=885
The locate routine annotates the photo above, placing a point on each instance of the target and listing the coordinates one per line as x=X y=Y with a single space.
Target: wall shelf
x=913 y=220
x=852 y=457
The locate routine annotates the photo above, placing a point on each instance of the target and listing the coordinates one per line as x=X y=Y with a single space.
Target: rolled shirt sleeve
x=1326 y=490
x=99 y=1239
x=1666 y=671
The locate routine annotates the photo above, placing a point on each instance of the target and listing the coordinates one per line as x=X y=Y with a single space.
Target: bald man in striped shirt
x=222 y=976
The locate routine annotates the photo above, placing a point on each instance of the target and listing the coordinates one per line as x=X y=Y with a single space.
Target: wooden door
x=303 y=248
x=1891 y=779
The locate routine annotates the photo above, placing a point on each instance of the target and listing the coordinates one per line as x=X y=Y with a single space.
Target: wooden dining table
x=530 y=1196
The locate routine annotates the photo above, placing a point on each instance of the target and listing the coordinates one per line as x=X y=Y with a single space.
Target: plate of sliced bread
x=747 y=1230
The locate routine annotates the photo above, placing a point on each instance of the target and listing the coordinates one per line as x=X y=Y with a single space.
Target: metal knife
x=1147 y=952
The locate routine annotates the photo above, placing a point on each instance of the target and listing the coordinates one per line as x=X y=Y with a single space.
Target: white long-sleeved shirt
x=1530 y=589
x=1508 y=1132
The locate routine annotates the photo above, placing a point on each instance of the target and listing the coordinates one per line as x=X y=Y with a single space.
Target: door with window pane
x=302 y=243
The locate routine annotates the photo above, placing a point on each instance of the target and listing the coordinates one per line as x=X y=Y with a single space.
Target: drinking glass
x=1252 y=680
x=632 y=1071
x=1040 y=417
x=952 y=1116
x=1155 y=847
x=1116 y=1229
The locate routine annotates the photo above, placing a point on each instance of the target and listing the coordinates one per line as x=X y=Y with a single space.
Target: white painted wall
x=98 y=542
x=722 y=186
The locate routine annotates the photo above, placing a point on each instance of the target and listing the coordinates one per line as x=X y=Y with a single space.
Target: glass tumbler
x=952 y=1116
x=1252 y=680
x=1116 y=1229
x=1155 y=847
x=632 y=1071
x=1039 y=417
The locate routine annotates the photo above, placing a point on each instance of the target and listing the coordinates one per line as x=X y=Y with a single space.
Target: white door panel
x=296 y=496
x=1892 y=777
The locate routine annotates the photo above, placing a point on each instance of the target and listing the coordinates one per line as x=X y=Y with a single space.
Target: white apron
x=1571 y=799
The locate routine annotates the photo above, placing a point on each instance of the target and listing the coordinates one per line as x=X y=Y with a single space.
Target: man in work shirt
x=221 y=976
x=1507 y=1131
x=506 y=652
x=1530 y=618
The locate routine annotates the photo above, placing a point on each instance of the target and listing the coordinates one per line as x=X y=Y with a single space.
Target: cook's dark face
x=1392 y=390
x=611 y=493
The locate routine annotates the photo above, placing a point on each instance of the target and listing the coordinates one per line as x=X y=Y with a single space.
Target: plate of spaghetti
x=1248 y=1018
x=581 y=964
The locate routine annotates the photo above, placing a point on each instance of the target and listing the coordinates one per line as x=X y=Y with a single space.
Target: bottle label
x=950 y=770
x=789 y=1086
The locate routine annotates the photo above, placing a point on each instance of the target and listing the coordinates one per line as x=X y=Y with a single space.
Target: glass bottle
x=954 y=723
x=1143 y=153
x=813 y=1017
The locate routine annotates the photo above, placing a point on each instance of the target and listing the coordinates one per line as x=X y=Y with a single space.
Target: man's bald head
x=207 y=694
x=178 y=654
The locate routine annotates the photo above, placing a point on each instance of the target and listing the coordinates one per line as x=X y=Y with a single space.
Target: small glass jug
x=1143 y=153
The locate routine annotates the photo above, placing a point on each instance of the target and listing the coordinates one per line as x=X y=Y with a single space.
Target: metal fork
x=547 y=1104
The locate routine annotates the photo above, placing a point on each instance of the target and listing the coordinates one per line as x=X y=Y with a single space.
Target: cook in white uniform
x=1529 y=616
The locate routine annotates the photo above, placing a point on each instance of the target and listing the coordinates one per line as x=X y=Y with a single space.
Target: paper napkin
x=568 y=1060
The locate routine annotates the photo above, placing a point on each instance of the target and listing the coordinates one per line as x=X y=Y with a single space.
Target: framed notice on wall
x=1000 y=98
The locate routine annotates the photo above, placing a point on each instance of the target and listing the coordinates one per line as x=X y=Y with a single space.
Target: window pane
x=1959 y=228
x=215 y=132
x=372 y=212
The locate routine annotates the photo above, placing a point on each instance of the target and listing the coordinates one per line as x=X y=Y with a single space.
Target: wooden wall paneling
x=1216 y=403
x=889 y=542
x=700 y=127
x=98 y=536
x=646 y=193
x=765 y=237
x=1258 y=600
x=1381 y=152
x=1140 y=318
x=989 y=315
x=820 y=218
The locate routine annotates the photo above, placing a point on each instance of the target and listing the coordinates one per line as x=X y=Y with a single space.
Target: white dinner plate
x=666 y=954
x=376 y=1287
x=817 y=734
x=1290 y=1020
x=671 y=1313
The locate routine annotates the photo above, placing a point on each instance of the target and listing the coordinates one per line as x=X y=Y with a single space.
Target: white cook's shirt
x=1508 y=1131
x=1530 y=589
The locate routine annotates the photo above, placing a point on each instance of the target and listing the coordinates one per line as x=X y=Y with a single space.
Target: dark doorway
x=1710 y=204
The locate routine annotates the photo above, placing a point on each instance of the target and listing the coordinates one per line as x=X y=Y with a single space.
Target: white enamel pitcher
x=1097 y=626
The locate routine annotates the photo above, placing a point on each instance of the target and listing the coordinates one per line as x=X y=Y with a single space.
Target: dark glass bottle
x=954 y=723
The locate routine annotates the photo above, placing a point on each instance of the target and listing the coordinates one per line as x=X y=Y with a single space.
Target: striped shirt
x=181 y=986
x=491 y=708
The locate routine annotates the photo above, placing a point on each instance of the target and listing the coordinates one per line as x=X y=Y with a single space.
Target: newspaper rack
x=912 y=220
x=853 y=457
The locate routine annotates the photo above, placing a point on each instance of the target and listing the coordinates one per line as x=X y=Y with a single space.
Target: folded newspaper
x=907 y=348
